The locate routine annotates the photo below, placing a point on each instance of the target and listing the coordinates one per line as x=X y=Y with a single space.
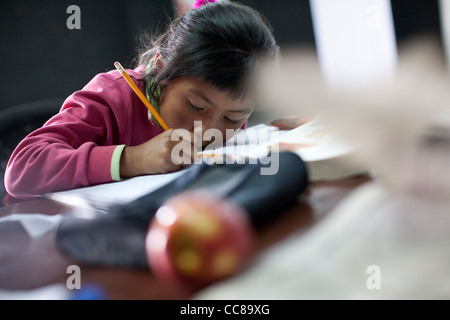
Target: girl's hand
x=155 y=156
x=291 y=122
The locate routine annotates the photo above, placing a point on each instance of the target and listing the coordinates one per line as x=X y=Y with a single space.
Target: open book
x=326 y=154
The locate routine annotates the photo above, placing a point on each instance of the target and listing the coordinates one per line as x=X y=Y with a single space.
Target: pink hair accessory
x=199 y=3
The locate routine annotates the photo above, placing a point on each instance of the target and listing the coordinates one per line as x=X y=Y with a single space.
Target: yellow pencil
x=141 y=95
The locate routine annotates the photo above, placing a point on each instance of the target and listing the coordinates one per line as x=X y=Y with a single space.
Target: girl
x=199 y=70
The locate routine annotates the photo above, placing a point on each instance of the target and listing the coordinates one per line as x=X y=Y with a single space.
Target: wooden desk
x=29 y=263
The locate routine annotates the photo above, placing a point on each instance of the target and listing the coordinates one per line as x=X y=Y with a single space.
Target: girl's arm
x=76 y=147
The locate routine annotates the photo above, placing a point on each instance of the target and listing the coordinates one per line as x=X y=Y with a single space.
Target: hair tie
x=199 y=3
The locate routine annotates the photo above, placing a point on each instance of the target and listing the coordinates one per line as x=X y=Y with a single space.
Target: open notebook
x=326 y=157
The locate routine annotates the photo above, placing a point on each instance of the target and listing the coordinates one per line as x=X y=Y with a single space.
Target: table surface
x=34 y=262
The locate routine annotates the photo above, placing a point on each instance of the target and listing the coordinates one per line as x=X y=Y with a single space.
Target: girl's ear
x=159 y=61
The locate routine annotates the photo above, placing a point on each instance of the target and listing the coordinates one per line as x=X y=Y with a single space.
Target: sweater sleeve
x=76 y=147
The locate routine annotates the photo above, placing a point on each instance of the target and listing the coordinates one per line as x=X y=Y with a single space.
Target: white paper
x=101 y=196
x=35 y=224
x=326 y=154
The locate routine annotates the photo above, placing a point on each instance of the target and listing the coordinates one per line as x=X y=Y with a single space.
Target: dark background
x=40 y=58
x=42 y=61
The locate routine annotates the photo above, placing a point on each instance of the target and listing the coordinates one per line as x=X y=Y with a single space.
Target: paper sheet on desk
x=34 y=224
x=252 y=143
x=103 y=195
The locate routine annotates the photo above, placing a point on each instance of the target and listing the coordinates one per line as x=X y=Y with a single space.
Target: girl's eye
x=194 y=107
x=231 y=121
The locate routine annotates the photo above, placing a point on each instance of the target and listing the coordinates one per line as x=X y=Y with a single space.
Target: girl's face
x=185 y=100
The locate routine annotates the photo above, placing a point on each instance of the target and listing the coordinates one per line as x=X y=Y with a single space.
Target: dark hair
x=218 y=43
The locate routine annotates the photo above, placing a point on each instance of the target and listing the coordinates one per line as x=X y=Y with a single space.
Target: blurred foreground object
x=389 y=239
x=375 y=245
x=392 y=122
x=198 y=238
x=291 y=122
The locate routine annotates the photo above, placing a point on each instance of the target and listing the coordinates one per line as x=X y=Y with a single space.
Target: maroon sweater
x=81 y=145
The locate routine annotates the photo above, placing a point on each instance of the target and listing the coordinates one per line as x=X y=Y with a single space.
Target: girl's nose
x=208 y=131
x=201 y=126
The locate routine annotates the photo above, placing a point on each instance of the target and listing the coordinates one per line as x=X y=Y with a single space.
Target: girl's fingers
x=184 y=150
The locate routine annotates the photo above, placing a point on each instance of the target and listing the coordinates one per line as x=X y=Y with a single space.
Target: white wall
x=355 y=40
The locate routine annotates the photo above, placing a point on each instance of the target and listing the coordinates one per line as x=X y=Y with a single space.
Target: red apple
x=197 y=238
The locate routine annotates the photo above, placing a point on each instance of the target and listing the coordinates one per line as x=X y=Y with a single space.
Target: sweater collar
x=154 y=100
